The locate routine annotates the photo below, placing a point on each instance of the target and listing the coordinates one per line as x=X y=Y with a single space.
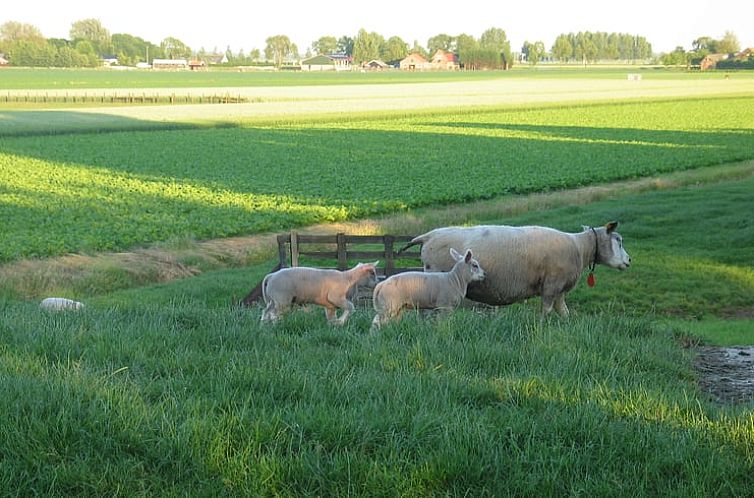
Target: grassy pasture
x=183 y=399
x=168 y=390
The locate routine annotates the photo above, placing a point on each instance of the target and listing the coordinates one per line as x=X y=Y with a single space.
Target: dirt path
x=727 y=373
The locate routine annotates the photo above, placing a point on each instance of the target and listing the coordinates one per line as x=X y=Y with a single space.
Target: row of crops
x=92 y=192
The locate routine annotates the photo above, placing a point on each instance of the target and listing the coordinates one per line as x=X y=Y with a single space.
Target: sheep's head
x=468 y=265
x=368 y=273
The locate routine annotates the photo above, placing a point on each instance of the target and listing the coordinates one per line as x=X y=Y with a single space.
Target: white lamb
x=418 y=290
x=331 y=289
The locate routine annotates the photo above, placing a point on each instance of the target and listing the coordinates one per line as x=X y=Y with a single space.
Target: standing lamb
x=418 y=290
x=332 y=289
x=523 y=262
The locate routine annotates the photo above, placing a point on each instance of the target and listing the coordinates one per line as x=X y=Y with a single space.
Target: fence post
x=294 y=249
x=342 y=257
x=389 y=262
x=282 y=254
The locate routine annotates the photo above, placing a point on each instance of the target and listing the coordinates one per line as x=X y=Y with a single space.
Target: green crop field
x=164 y=387
x=93 y=192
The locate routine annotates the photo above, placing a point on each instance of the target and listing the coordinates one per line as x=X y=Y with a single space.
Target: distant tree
x=465 y=42
x=23 y=44
x=132 y=49
x=562 y=48
x=325 y=45
x=255 y=54
x=86 y=49
x=534 y=51
x=584 y=48
x=173 y=48
x=345 y=45
x=279 y=48
x=367 y=46
x=678 y=57
x=442 y=42
x=92 y=31
x=495 y=39
x=394 y=49
x=703 y=44
x=728 y=44
x=12 y=31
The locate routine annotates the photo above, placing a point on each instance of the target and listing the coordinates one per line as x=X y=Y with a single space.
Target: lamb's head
x=467 y=266
x=610 y=251
x=367 y=274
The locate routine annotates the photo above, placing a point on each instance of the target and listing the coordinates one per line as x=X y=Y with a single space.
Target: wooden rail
x=341 y=251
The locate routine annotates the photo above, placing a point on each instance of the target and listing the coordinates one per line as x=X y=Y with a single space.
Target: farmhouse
x=170 y=64
x=321 y=62
x=375 y=65
x=415 y=62
x=710 y=61
x=444 y=61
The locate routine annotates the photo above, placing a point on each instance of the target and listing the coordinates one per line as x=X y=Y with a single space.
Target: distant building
x=318 y=63
x=710 y=61
x=170 y=64
x=444 y=61
x=415 y=62
x=375 y=65
x=3 y=60
x=332 y=62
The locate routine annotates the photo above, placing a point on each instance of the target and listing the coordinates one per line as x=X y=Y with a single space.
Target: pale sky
x=246 y=24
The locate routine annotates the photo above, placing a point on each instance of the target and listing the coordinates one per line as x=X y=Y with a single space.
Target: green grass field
x=112 y=191
x=170 y=389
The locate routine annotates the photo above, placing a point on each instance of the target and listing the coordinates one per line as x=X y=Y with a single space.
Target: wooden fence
x=122 y=98
x=341 y=251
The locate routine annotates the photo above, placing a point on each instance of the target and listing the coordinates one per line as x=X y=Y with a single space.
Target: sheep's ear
x=376 y=263
x=611 y=226
x=467 y=258
x=454 y=254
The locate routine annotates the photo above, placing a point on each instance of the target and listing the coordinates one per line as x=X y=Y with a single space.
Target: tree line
x=89 y=41
x=704 y=46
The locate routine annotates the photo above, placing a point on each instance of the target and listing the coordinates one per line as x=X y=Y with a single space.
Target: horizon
x=248 y=30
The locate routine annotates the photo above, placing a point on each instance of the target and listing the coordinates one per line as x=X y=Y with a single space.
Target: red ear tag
x=590 y=280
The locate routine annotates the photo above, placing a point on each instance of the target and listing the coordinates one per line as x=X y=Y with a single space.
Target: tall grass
x=184 y=399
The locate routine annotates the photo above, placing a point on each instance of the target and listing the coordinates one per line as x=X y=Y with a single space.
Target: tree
x=367 y=46
x=92 y=31
x=534 y=51
x=562 y=48
x=132 y=49
x=173 y=48
x=395 y=49
x=279 y=48
x=465 y=42
x=495 y=39
x=441 y=42
x=728 y=44
x=12 y=31
x=345 y=45
x=325 y=45
x=677 y=57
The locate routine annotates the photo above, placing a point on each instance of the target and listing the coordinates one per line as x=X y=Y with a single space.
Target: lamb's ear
x=376 y=263
x=611 y=226
x=454 y=254
x=467 y=258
